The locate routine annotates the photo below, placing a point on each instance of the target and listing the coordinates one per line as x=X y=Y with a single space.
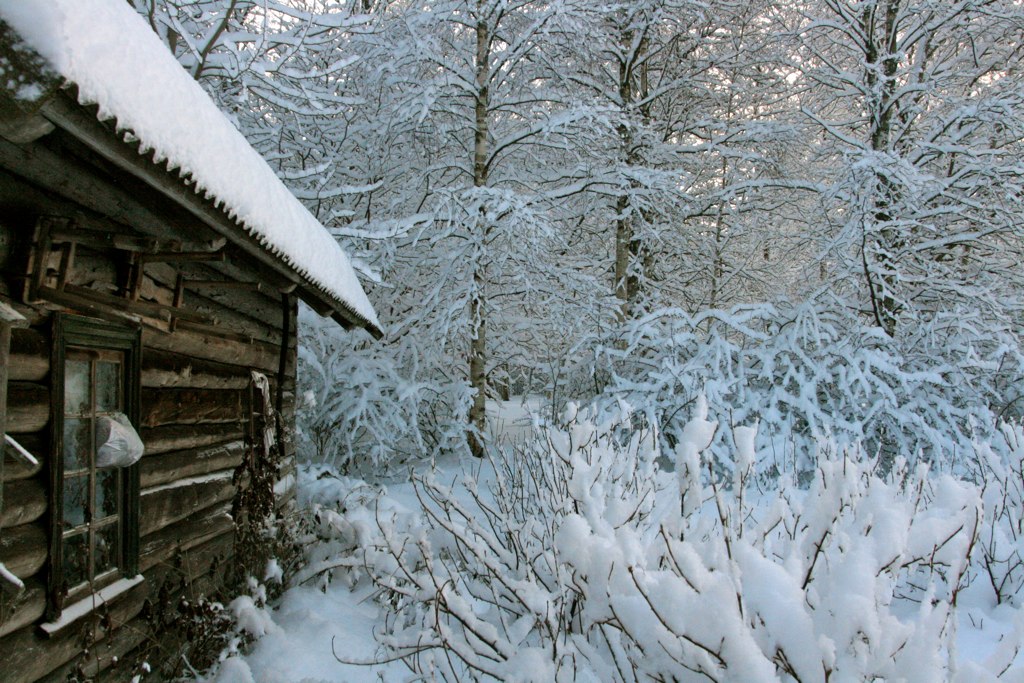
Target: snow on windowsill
x=75 y=611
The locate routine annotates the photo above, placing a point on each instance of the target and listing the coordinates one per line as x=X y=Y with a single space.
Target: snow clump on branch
x=574 y=557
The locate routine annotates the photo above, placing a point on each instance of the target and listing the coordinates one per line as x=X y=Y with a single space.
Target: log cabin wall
x=204 y=329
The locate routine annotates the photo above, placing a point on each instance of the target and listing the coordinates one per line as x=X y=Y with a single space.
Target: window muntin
x=93 y=501
x=95 y=371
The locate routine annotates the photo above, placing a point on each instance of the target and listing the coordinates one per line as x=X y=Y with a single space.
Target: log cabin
x=152 y=264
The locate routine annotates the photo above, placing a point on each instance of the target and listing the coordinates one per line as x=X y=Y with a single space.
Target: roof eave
x=23 y=119
x=63 y=111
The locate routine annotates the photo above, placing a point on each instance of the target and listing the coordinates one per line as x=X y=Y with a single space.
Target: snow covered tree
x=918 y=109
x=487 y=266
x=690 y=170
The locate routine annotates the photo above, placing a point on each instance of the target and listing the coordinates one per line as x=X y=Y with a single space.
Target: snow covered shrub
x=362 y=403
x=344 y=539
x=812 y=371
x=574 y=558
x=1002 y=537
x=473 y=580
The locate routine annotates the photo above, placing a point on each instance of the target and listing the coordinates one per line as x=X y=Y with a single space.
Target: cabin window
x=94 y=531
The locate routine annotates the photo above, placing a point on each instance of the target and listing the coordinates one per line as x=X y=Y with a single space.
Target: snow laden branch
x=810 y=372
x=577 y=556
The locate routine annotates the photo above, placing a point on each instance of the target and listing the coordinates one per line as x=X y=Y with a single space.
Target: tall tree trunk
x=632 y=257
x=628 y=248
x=478 y=303
x=881 y=58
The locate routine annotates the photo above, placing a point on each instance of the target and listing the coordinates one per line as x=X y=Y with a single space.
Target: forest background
x=770 y=234
x=813 y=212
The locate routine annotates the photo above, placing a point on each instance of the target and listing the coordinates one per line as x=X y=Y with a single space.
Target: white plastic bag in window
x=117 y=442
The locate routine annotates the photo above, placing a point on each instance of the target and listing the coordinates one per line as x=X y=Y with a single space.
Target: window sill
x=75 y=611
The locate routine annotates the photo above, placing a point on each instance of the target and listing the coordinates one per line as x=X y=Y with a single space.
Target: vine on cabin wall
x=260 y=535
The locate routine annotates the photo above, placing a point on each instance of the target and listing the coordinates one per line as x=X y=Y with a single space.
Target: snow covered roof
x=119 y=64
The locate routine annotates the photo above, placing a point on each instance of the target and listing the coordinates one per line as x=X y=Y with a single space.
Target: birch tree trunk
x=880 y=57
x=628 y=247
x=478 y=302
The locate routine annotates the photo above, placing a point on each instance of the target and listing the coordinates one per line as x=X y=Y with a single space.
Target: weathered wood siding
x=193 y=405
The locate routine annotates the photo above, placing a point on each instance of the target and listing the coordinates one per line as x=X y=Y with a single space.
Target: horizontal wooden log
x=23 y=550
x=288 y=466
x=15 y=467
x=262 y=307
x=192 y=574
x=257 y=355
x=102 y=655
x=167 y=467
x=287 y=499
x=28 y=656
x=186 y=564
x=28 y=407
x=161 y=547
x=167 y=504
x=160 y=407
x=230 y=306
x=166 y=369
x=287 y=481
x=24 y=502
x=289 y=448
x=18 y=611
x=183 y=437
x=29 y=355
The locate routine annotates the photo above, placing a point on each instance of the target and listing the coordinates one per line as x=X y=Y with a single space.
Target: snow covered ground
x=313 y=629
x=310 y=628
x=318 y=631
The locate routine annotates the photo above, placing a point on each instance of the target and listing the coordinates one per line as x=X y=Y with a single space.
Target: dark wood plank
x=24 y=502
x=256 y=355
x=162 y=407
x=180 y=371
x=164 y=505
x=29 y=357
x=184 y=437
x=23 y=550
x=28 y=407
x=155 y=470
x=161 y=547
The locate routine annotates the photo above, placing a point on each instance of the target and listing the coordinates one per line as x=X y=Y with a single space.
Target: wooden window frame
x=78 y=331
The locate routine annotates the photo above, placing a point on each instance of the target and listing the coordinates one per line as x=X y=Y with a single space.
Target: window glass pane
x=76 y=387
x=106 y=493
x=108 y=386
x=106 y=548
x=94 y=517
x=76 y=497
x=78 y=443
x=76 y=560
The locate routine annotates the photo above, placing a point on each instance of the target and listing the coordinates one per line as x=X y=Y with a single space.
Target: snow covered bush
x=573 y=557
x=811 y=371
x=364 y=403
x=1001 y=468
